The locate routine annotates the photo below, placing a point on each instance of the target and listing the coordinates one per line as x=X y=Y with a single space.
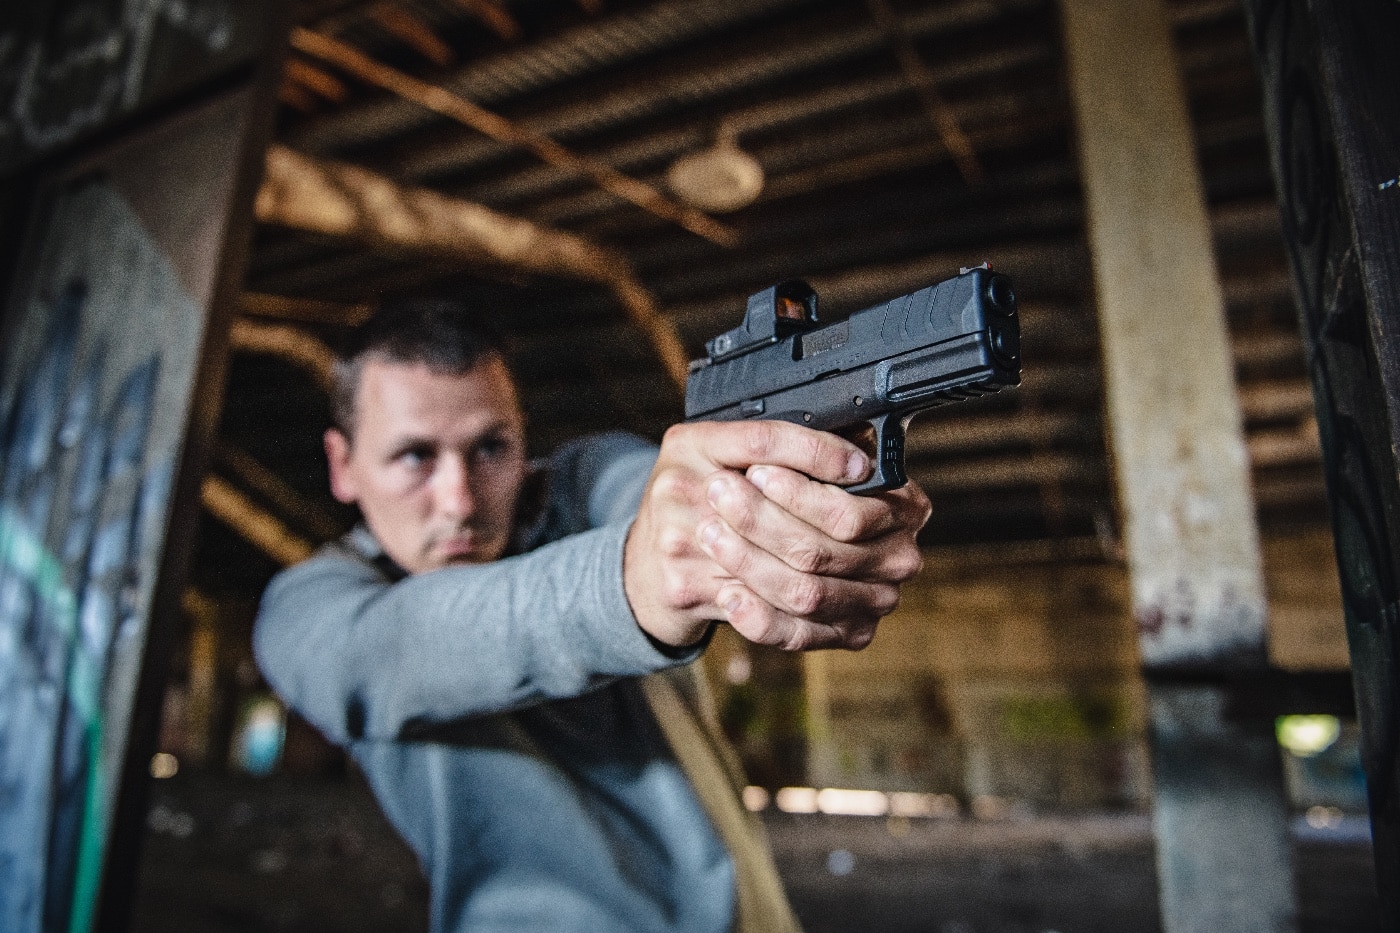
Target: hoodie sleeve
x=361 y=656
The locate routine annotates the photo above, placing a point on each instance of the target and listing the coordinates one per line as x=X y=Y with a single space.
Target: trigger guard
x=887 y=462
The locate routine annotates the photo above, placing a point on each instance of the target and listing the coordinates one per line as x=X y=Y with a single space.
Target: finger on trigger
x=818 y=454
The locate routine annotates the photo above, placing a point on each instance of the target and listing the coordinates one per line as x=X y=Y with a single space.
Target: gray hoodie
x=495 y=711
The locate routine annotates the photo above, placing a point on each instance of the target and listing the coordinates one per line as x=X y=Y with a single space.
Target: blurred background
x=984 y=765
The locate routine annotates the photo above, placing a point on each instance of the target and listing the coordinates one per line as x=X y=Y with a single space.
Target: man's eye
x=493 y=448
x=415 y=457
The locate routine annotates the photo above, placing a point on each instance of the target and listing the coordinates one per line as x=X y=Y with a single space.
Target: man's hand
x=745 y=522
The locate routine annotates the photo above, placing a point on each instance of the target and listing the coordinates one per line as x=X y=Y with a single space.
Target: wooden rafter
x=284 y=340
x=411 y=31
x=496 y=17
x=250 y=473
x=353 y=203
x=317 y=80
x=439 y=100
x=305 y=310
x=254 y=524
x=918 y=74
x=297 y=97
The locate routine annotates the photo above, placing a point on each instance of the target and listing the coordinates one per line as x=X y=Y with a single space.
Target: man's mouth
x=457 y=547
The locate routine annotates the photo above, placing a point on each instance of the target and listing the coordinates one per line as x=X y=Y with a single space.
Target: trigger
x=864 y=436
x=886 y=450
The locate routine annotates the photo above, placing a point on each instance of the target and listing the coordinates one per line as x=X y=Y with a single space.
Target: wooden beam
x=495 y=16
x=350 y=202
x=920 y=77
x=297 y=97
x=1176 y=432
x=444 y=102
x=202 y=702
x=411 y=31
x=245 y=468
x=254 y=524
x=305 y=75
x=290 y=343
x=992 y=473
x=303 y=310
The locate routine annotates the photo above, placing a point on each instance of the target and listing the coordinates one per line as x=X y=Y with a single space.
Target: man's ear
x=338 y=456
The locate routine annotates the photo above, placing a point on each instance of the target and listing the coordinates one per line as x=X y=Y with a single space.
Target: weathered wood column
x=1331 y=79
x=1178 y=444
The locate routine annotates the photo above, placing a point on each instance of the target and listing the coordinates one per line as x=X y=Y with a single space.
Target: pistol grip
x=887 y=459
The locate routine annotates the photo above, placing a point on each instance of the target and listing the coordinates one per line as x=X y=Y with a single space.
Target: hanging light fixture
x=719 y=179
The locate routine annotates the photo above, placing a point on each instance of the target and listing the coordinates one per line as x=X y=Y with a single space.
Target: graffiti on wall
x=67 y=68
x=92 y=406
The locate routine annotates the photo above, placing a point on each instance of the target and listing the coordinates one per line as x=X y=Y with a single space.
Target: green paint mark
x=23 y=553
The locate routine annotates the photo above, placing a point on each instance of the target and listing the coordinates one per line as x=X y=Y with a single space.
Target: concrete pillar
x=1177 y=441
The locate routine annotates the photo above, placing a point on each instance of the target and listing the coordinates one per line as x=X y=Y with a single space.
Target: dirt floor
x=226 y=853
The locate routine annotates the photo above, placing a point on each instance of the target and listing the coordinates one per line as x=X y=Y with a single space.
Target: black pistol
x=874 y=371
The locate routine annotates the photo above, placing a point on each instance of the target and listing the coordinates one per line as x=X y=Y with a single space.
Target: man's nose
x=452 y=488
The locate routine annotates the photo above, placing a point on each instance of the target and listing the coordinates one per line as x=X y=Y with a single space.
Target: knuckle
x=801 y=638
x=886 y=600
x=674 y=543
x=844 y=521
x=671 y=483
x=860 y=637
x=804 y=595
x=675 y=591
x=906 y=563
x=734 y=556
x=757 y=625
x=677 y=434
x=759 y=440
x=808 y=557
x=739 y=512
x=920 y=507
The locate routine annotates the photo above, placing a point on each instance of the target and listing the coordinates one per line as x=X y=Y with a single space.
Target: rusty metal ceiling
x=899 y=141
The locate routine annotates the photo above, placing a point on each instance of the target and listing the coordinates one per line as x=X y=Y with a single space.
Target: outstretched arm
x=364 y=657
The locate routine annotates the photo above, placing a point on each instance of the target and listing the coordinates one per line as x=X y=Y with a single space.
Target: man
x=502 y=651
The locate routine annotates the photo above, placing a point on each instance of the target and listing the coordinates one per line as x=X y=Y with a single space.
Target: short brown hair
x=441 y=333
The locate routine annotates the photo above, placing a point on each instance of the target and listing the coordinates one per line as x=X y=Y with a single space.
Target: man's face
x=436 y=462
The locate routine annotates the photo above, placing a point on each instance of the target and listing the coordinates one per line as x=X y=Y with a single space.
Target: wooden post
x=1182 y=473
x=202 y=699
x=1331 y=79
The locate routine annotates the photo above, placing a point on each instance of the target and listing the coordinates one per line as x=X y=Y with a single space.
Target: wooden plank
x=304 y=310
x=293 y=344
x=1329 y=74
x=920 y=77
x=1177 y=439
